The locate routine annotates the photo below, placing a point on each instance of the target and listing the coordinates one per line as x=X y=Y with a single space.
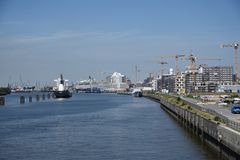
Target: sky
x=82 y=38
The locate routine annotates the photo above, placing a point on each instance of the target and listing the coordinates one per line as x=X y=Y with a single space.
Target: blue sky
x=41 y=39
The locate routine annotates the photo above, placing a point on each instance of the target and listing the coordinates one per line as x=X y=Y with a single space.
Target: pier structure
x=23 y=98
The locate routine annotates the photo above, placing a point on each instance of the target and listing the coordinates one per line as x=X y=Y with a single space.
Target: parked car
x=236 y=100
x=235 y=110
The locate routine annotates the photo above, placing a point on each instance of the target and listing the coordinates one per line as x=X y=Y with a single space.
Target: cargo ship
x=61 y=90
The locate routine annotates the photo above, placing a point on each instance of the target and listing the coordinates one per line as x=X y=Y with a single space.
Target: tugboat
x=61 y=90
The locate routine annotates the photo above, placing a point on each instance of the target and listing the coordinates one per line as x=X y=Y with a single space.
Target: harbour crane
x=176 y=56
x=235 y=46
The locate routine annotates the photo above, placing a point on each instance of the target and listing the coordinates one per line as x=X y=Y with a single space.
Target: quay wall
x=217 y=135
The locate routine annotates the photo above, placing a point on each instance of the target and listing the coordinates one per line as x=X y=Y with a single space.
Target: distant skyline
x=82 y=38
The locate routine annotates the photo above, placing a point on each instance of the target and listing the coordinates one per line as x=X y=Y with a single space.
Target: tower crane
x=235 y=46
x=176 y=56
x=193 y=60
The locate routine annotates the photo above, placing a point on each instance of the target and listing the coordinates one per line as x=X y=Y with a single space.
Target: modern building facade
x=117 y=82
x=167 y=83
x=180 y=83
x=208 y=78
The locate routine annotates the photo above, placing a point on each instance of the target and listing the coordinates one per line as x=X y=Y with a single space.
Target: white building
x=229 y=88
x=118 y=82
x=155 y=84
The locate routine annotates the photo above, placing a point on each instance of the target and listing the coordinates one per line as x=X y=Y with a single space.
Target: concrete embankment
x=213 y=132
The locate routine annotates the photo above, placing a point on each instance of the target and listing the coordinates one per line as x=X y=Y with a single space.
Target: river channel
x=95 y=127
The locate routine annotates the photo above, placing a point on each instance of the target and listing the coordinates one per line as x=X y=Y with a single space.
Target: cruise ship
x=61 y=91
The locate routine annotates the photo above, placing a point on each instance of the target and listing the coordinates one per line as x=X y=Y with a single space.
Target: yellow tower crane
x=235 y=46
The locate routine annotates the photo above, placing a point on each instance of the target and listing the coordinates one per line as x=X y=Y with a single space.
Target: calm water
x=93 y=127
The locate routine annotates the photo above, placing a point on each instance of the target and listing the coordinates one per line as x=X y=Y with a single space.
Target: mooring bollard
x=49 y=96
x=2 y=101
x=30 y=99
x=22 y=99
x=37 y=97
x=43 y=97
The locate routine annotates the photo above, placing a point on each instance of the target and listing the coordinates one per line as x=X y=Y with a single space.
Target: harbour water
x=93 y=127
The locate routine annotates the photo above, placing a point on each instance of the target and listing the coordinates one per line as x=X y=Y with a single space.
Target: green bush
x=178 y=99
x=216 y=118
x=189 y=107
x=234 y=95
x=190 y=96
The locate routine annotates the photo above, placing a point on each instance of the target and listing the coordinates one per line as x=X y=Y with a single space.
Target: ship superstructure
x=61 y=90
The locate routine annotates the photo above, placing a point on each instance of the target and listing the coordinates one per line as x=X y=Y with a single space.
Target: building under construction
x=180 y=83
x=208 y=78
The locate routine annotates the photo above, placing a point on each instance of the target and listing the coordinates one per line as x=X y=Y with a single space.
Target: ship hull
x=62 y=94
x=137 y=94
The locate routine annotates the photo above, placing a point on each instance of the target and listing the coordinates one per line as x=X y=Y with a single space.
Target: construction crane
x=193 y=60
x=235 y=46
x=176 y=56
x=192 y=66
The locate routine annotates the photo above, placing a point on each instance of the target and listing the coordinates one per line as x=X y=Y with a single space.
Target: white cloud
x=6 y=41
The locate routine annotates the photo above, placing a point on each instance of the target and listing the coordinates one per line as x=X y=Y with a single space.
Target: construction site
x=197 y=78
